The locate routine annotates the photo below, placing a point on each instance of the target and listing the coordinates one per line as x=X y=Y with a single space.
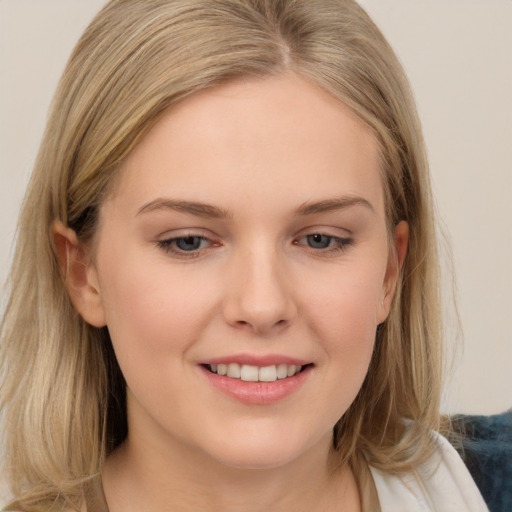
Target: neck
x=140 y=476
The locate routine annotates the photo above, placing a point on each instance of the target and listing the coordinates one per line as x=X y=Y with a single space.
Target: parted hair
x=62 y=392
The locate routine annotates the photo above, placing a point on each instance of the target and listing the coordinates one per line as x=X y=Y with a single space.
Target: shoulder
x=442 y=484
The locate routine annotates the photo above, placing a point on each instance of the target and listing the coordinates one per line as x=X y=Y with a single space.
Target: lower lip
x=257 y=393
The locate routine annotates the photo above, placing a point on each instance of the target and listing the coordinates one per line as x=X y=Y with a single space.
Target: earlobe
x=395 y=263
x=79 y=275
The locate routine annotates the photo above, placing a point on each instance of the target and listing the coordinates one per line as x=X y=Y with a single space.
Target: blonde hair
x=62 y=394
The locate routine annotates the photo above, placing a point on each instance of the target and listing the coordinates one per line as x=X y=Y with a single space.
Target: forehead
x=254 y=139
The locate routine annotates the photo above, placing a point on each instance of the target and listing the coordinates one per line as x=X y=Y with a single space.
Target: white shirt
x=442 y=484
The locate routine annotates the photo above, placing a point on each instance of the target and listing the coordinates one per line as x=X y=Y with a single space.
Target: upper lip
x=257 y=360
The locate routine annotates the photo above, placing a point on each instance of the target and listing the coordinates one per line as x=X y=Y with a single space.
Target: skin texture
x=261 y=153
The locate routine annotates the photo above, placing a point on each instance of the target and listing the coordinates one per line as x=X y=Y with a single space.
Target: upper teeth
x=251 y=373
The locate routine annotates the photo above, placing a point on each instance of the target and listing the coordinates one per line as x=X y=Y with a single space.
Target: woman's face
x=246 y=234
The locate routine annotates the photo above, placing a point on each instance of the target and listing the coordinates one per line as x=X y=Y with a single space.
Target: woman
x=226 y=276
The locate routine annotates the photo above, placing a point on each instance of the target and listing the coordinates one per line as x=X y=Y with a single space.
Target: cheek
x=346 y=303
x=341 y=320
x=342 y=313
x=154 y=317
x=150 y=308
x=348 y=336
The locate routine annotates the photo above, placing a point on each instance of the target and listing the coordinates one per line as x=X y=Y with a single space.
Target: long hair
x=62 y=392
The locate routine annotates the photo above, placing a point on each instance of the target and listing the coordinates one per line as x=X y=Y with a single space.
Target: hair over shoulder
x=62 y=392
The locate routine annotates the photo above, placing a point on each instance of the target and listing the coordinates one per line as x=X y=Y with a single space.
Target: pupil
x=319 y=241
x=188 y=243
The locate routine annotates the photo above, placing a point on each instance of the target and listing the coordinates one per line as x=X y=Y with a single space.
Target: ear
x=80 y=276
x=396 y=260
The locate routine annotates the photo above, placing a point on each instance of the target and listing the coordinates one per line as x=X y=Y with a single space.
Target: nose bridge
x=259 y=296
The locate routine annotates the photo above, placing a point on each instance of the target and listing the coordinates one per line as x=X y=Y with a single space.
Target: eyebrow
x=337 y=203
x=207 y=210
x=190 y=207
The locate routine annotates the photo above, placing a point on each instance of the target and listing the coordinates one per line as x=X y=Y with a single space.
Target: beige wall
x=458 y=54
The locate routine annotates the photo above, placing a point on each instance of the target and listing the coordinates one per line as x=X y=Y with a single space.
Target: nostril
x=260 y=326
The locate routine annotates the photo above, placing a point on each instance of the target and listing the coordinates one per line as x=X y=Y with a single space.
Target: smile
x=251 y=373
x=257 y=379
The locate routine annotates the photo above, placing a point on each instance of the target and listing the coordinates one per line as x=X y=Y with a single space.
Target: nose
x=259 y=294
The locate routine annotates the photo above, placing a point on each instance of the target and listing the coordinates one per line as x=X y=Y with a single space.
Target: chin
x=268 y=452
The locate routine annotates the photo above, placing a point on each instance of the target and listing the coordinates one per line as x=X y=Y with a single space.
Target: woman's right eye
x=184 y=246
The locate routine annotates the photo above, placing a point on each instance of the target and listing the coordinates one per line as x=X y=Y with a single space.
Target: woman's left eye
x=184 y=244
x=324 y=242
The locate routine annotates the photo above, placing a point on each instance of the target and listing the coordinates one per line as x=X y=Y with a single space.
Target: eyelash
x=169 y=245
x=338 y=244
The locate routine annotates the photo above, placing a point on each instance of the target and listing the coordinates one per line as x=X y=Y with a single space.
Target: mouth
x=255 y=380
x=252 y=373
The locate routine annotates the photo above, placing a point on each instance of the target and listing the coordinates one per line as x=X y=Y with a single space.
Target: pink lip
x=254 y=360
x=257 y=393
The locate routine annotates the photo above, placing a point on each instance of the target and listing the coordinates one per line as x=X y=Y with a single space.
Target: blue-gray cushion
x=487 y=451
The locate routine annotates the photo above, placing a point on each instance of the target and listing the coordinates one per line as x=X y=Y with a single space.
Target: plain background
x=458 y=55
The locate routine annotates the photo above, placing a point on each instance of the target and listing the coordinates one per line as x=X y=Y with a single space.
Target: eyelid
x=167 y=243
x=331 y=231
x=342 y=243
x=340 y=239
